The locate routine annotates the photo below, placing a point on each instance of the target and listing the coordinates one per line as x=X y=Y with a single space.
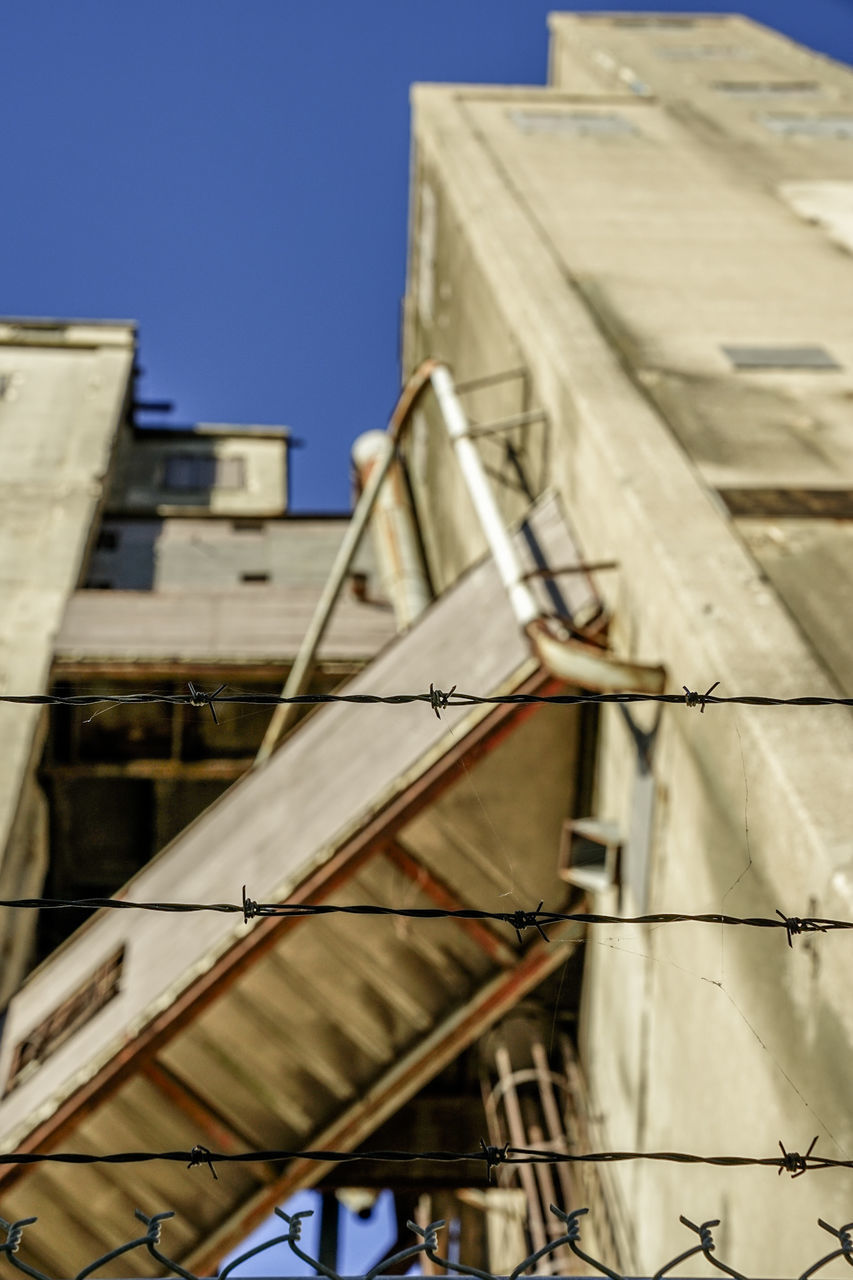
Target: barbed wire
x=519 y=920
x=427 y=1244
x=493 y=1157
x=437 y=699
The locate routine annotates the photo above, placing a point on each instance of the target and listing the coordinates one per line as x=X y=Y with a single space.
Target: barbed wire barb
x=254 y=1251
x=9 y=1249
x=842 y=1234
x=705 y=1246
x=521 y=920
x=153 y=1232
x=448 y=1267
x=795 y=1164
x=200 y=1155
x=572 y=1237
x=438 y=700
x=802 y=924
x=393 y=1260
x=293 y=1236
x=155 y=1224
x=692 y=699
x=198 y=698
x=493 y=1156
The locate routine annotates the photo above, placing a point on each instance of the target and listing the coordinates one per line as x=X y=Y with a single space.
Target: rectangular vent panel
x=766 y=88
x=791 y=504
x=576 y=123
x=787 y=126
x=780 y=358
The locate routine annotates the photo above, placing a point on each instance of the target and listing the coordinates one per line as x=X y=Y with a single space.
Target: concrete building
x=137 y=558
x=641 y=278
x=642 y=273
x=246 y=1034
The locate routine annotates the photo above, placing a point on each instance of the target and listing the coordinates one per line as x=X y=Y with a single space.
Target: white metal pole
x=500 y=544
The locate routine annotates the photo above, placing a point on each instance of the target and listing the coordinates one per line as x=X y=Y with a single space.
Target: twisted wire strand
x=434 y=698
x=518 y=920
x=789 y=1161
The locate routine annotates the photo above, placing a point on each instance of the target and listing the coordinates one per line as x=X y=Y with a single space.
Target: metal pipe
x=300 y=673
x=556 y=1128
x=589 y=667
x=395 y=537
x=508 y=564
x=517 y=1137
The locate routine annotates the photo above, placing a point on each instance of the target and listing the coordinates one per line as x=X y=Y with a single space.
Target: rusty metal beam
x=261 y=672
x=227 y=769
x=220 y=1132
x=399 y=1083
x=438 y=891
x=299 y=676
x=583 y=566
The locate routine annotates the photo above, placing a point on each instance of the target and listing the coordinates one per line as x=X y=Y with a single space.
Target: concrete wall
x=613 y=260
x=174 y=554
x=62 y=392
x=216 y=469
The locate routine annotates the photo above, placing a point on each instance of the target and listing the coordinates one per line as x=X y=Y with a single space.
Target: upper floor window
x=189 y=471
x=72 y=1013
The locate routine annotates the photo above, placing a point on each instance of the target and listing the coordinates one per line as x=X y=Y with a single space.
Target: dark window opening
x=108 y=540
x=74 y=1012
x=254 y=577
x=191 y=471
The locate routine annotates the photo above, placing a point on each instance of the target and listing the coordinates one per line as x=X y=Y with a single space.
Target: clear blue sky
x=361 y=1243
x=233 y=175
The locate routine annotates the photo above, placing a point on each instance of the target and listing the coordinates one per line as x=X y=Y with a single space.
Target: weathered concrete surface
x=613 y=265
x=62 y=391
